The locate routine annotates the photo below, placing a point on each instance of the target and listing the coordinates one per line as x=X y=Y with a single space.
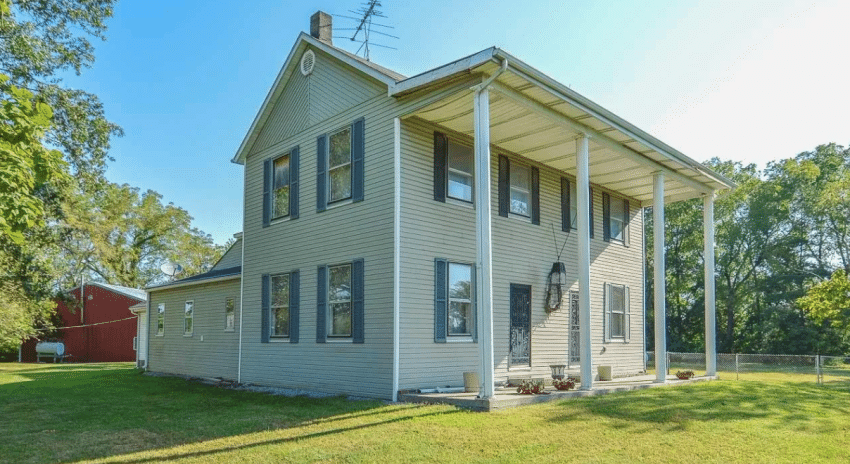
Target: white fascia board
x=285 y=70
x=586 y=105
x=193 y=282
x=421 y=80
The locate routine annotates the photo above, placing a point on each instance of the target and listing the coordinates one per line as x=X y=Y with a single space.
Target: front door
x=520 y=334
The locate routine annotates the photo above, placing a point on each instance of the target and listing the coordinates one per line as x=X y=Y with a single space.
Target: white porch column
x=583 y=225
x=484 y=251
x=710 y=314
x=659 y=279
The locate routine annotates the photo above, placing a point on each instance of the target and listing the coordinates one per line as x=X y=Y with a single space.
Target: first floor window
x=339 y=166
x=460 y=299
x=460 y=167
x=229 y=314
x=617 y=312
x=279 y=312
x=188 y=318
x=339 y=301
x=280 y=185
x=160 y=319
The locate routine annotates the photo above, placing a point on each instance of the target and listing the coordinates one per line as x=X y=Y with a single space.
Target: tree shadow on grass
x=795 y=403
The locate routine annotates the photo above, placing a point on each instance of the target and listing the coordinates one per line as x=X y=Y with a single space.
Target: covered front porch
x=502 y=103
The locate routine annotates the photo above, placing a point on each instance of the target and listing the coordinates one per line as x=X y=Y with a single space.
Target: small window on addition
x=188 y=318
x=229 y=315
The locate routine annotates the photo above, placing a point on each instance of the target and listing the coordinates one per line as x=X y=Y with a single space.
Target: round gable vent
x=308 y=61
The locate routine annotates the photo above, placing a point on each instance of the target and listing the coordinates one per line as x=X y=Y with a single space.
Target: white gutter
x=194 y=282
x=396 y=254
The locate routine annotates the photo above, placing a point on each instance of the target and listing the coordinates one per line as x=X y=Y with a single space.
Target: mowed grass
x=110 y=413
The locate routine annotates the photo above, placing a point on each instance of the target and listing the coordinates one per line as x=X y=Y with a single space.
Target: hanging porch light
x=555 y=286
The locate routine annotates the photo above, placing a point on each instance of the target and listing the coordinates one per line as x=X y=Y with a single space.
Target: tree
x=122 y=236
x=829 y=301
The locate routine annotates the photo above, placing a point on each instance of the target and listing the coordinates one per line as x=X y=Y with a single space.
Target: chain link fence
x=738 y=366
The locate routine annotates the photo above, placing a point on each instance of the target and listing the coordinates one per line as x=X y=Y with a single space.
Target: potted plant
x=684 y=375
x=564 y=384
x=530 y=386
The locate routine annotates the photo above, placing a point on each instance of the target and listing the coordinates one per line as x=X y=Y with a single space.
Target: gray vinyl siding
x=174 y=353
x=341 y=234
x=231 y=258
x=522 y=254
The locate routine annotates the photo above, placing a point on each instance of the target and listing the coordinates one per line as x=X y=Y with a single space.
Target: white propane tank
x=50 y=348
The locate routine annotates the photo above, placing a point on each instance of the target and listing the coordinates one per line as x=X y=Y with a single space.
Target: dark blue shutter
x=473 y=285
x=535 y=195
x=294 y=306
x=321 y=304
x=565 y=205
x=264 y=313
x=590 y=213
x=267 y=194
x=626 y=219
x=504 y=186
x=606 y=217
x=441 y=161
x=358 y=149
x=293 y=183
x=440 y=299
x=321 y=172
x=357 y=310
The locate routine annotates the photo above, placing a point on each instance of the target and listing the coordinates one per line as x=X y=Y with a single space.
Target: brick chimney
x=321 y=27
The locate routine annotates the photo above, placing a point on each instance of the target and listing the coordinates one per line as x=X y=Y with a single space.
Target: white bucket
x=471 y=382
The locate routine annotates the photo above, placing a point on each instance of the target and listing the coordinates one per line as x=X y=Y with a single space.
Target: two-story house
x=399 y=232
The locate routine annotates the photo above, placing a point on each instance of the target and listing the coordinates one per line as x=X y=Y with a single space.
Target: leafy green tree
x=829 y=301
x=123 y=236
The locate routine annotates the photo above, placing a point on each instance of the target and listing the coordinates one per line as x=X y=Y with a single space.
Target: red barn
x=98 y=326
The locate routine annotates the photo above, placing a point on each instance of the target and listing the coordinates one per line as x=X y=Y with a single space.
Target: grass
x=110 y=413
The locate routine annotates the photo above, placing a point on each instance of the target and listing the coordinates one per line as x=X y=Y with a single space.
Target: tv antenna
x=362 y=33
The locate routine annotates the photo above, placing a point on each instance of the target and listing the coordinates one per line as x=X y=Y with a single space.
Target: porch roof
x=538 y=118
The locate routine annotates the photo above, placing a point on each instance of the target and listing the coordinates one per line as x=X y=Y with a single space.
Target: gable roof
x=379 y=73
x=214 y=275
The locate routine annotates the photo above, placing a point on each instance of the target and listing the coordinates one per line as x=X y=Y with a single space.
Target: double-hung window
x=520 y=190
x=279 y=309
x=229 y=315
x=454 y=301
x=460 y=300
x=615 y=218
x=339 y=301
x=188 y=318
x=280 y=185
x=160 y=319
x=460 y=172
x=616 y=312
x=569 y=206
x=339 y=165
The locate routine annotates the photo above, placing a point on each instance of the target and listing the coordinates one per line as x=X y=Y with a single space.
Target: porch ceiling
x=538 y=121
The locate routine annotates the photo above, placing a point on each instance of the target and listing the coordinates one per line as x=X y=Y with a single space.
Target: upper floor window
x=460 y=170
x=615 y=218
x=339 y=166
x=569 y=206
x=520 y=190
x=340 y=170
x=280 y=185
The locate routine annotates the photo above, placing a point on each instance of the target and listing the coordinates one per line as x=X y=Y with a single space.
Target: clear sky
x=752 y=81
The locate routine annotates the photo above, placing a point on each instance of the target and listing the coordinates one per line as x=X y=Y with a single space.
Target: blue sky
x=752 y=81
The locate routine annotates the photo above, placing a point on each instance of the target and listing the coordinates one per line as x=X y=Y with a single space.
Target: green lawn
x=111 y=413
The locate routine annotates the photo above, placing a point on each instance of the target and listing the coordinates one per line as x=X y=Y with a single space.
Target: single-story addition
x=478 y=217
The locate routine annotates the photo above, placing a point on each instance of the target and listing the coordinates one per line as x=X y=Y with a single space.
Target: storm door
x=575 y=331
x=520 y=332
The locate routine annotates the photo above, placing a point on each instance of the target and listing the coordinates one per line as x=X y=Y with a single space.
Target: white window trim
x=226 y=328
x=329 y=310
x=450 y=170
x=191 y=332
x=272 y=307
x=620 y=218
x=350 y=197
x=160 y=313
x=609 y=314
x=273 y=190
x=470 y=324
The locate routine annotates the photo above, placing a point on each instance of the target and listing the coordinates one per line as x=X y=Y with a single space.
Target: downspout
x=396 y=254
x=643 y=274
